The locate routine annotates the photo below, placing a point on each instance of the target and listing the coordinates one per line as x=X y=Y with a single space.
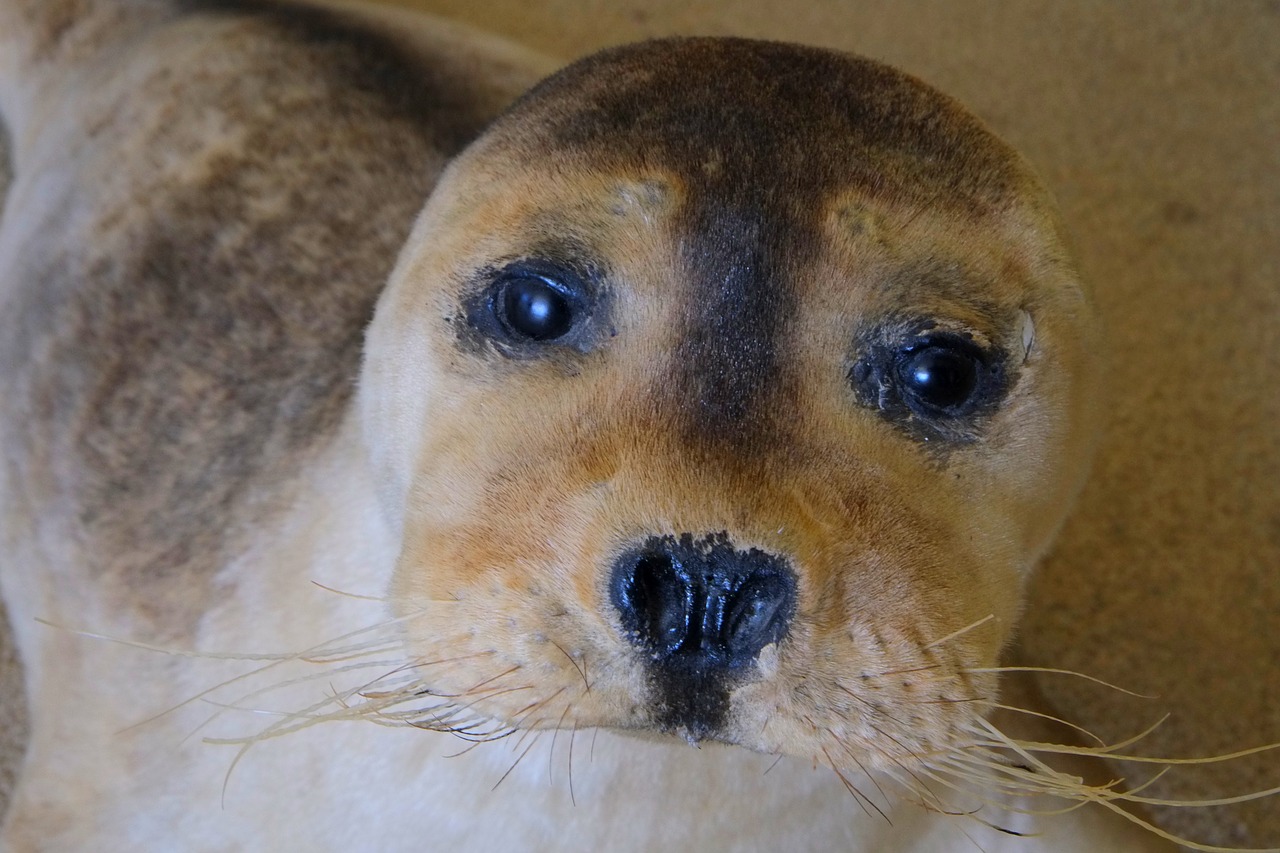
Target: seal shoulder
x=185 y=309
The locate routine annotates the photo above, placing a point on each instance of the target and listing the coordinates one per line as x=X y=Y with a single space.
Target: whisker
x=1053 y=671
x=849 y=752
x=1039 y=779
x=1109 y=750
x=536 y=707
x=906 y=751
x=942 y=776
x=1016 y=710
x=502 y=692
x=551 y=753
x=353 y=595
x=1175 y=839
x=582 y=671
x=273 y=661
x=514 y=764
x=858 y=797
x=271 y=688
x=465 y=749
x=954 y=634
x=1196 y=804
x=572 y=736
x=1066 y=749
x=908 y=671
x=867 y=703
x=471 y=690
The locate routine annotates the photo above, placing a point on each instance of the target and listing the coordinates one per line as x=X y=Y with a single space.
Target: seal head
x=729 y=389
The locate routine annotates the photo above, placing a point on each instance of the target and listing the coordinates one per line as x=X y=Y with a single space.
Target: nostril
x=754 y=615
x=658 y=598
x=702 y=604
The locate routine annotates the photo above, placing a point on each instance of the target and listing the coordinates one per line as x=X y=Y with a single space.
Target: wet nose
x=703 y=603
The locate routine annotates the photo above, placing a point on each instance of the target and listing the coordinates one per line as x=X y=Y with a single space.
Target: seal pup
x=724 y=394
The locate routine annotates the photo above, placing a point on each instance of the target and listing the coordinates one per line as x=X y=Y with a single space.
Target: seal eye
x=935 y=384
x=534 y=308
x=941 y=378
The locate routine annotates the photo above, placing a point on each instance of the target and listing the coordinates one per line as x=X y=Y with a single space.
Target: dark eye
x=935 y=384
x=940 y=378
x=534 y=308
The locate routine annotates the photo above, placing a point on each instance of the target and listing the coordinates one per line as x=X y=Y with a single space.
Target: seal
x=724 y=393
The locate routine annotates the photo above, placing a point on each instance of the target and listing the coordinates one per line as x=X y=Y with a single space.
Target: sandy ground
x=1158 y=126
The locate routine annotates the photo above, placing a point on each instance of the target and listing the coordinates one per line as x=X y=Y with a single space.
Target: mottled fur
x=151 y=433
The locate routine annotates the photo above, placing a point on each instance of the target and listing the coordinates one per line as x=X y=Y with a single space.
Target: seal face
x=705 y=399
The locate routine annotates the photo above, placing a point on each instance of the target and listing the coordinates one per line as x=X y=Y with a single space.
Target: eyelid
x=946 y=339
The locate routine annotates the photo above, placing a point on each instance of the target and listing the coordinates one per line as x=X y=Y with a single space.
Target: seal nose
x=703 y=604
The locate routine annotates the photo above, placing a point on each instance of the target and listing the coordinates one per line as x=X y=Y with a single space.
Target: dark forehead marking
x=761 y=136
x=801 y=122
x=726 y=361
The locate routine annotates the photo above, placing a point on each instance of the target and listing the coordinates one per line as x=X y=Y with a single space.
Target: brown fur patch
x=195 y=331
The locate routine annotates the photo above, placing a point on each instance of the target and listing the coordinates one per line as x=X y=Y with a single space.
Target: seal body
x=723 y=394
